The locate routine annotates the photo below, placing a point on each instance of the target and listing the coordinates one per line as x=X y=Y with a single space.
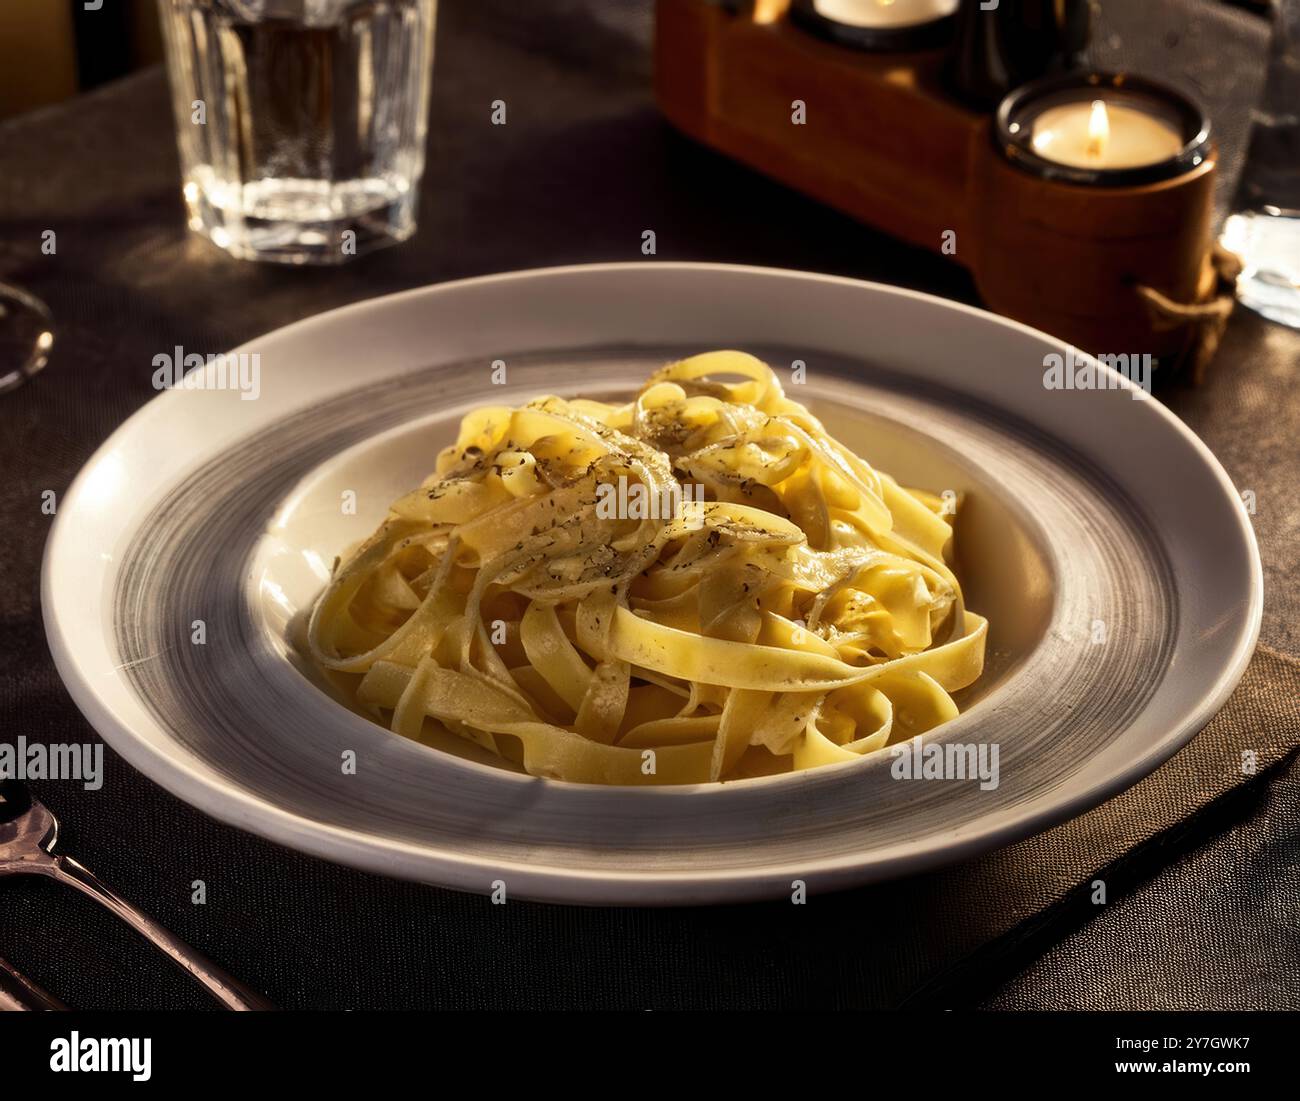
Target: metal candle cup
x=1114 y=116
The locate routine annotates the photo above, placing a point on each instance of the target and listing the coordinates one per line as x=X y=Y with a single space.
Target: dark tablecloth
x=1202 y=868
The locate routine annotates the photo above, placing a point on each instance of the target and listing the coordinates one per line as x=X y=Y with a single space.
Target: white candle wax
x=885 y=13
x=1095 y=133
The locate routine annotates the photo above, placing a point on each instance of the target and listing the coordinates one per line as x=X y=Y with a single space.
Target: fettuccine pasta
x=698 y=585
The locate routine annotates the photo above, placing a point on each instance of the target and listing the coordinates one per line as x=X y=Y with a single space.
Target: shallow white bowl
x=1105 y=543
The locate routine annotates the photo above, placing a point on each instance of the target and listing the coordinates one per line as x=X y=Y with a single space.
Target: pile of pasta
x=793 y=609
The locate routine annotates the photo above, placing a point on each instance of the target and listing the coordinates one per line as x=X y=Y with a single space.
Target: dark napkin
x=584 y=165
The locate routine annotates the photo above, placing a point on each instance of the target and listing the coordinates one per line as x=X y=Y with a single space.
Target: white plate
x=1103 y=541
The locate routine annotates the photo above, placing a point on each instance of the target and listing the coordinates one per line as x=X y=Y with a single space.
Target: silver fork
x=28 y=832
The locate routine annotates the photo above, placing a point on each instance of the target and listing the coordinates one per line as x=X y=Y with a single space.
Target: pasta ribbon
x=697 y=585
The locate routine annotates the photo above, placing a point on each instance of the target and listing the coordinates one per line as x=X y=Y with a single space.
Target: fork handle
x=18 y=992
x=228 y=990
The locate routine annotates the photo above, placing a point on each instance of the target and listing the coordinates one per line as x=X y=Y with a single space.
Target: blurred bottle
x=1265 y=230
x=1002 y=44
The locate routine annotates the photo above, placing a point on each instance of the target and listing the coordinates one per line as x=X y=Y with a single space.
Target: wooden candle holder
x=885 y=142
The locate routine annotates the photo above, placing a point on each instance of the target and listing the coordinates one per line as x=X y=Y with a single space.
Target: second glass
x=301 y=123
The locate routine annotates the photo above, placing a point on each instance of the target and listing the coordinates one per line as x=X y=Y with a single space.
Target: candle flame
x=1098 y=128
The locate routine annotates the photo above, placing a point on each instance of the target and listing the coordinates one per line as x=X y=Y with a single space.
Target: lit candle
x=1102 y=128
x=885 y=13
x=879 y=24
x=1101 y=135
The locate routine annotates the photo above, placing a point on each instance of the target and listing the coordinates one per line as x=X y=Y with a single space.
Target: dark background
x=1204 y=888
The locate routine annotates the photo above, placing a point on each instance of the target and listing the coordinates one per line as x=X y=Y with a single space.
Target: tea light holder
x=878 y=24
x=1118 y=198
x=1081 y=251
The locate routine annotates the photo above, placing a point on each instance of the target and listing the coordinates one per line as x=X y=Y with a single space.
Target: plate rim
x=229 y=803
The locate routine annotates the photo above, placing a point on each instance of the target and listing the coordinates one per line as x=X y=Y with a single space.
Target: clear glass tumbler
x=301 y=123
x=1265 y=230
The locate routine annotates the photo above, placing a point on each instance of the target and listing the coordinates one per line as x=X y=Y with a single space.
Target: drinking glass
x=1265 y=230
x=301 y=123
x=26 y=336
